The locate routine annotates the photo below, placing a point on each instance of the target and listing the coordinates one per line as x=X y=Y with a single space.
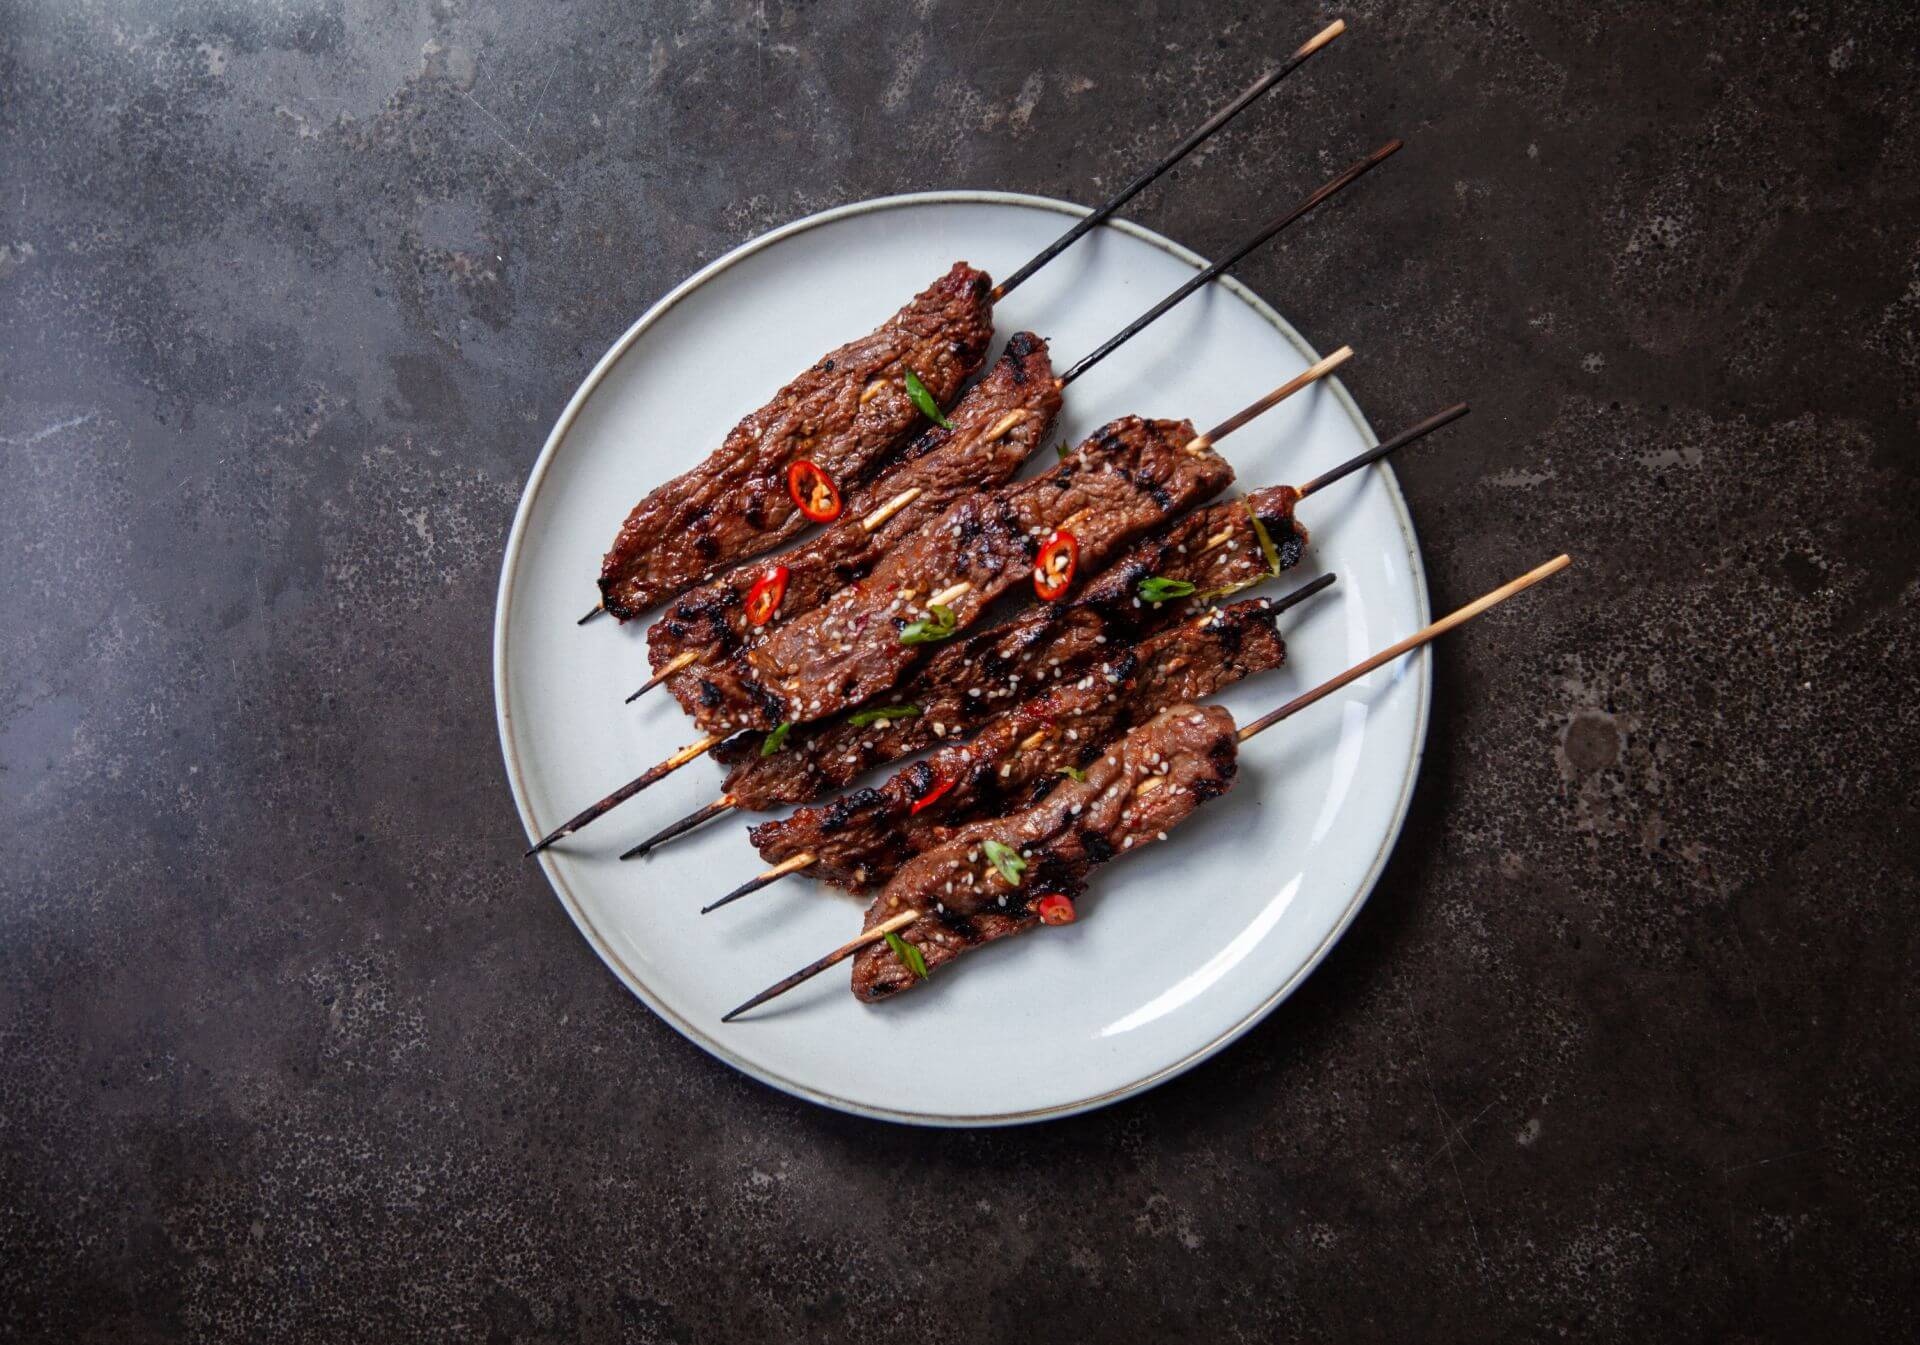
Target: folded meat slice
x=846 y=414
x=1143 y=786
x=996 y=428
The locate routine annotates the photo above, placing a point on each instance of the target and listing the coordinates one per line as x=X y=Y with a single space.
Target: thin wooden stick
x=674 y=665
x=1180 y=151
x=773 y=875
x=720 y=805
x=1298 y=703
x=1412 y=642
x=598 y=608
x=1266 y=231
x=813 y=969
x=1319 y=370
x=1379 y=451
x=651 y=776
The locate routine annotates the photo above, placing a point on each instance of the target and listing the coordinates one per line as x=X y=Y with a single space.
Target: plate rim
x=635 y=985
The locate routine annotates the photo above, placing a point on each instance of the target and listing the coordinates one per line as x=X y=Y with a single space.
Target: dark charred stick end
x=1393 y=445
x=745 y=889
x=598 y=609
x=1301 y=594
x=720 y=805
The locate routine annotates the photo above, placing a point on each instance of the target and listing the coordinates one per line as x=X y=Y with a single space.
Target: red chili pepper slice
x=763 y=599
x=1054 y=909
x=931 y=797
x=1053 y=571
x=813 y=491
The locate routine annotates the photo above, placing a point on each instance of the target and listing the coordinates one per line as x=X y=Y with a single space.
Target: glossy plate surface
x=1179 y=948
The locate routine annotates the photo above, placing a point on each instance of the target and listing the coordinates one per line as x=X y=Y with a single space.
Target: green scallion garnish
x=1156 y=589
x=861 y=718
x=908 y=954
x=776 y=740
x=924 y=400
x=1004 y=858
x=938 y=626
x=1267 y=548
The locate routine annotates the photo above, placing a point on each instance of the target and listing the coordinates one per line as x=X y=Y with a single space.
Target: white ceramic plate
x=1180 y=948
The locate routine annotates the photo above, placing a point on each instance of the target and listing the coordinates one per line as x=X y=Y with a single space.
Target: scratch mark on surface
x=1778 y=1158
x=501 y=131
x=539 y=99
x=46 y=431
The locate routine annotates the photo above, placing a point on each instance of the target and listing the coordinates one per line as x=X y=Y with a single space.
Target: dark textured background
x=293 y=1045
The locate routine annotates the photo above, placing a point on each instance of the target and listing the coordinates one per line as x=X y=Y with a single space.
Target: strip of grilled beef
x=847 y=414
x=1128 y=477
x=996 y=427
x=1182 y=757
x=862 y=838
x=968 y=680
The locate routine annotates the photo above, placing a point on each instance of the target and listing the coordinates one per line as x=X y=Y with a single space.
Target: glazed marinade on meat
x=1190 y=751
x=847 y=413
x=967 y=681
x=862 y=838
x=1125 y=479
x=996 y=427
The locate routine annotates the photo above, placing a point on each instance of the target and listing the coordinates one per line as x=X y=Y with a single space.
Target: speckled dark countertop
x=293 y=1045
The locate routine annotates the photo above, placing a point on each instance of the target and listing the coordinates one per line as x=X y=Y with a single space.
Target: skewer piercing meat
x=1143 y=786
x=845 y=415
x=1128 y=477
x=862 y=838
x=996 y=427
x=1047 y=642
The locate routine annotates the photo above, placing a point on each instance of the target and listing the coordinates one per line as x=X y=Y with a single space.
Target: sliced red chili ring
x=763 y=599
x=813 y=491
x=1053 y=571
x=1054 y=909
x=931 y=797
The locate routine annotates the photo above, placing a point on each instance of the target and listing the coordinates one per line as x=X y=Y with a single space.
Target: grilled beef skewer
x=844 y=413
x=861 y=839
x=1038 y=859
x=996 y=427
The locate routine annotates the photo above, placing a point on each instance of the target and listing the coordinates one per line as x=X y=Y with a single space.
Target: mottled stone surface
x=294 y=1047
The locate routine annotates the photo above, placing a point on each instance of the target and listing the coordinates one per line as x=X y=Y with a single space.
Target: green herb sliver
x=861 y=718
x=924 y=400
x=907 y=953
x=1228 y=590
x=776 y=740
x=938 y=626
x=1156 y=589
x=1073 y=773
x=1267 y=548
x=1003 y=858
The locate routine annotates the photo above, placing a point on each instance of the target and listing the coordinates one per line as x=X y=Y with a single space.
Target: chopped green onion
x=1157 y=589
x=924 y=400
x=776 y=740
x=1267 y=548
x=861 y=718
x=1073 y=772
x=1004 y=858
x=908 y=954
x=1062 y=449
x=938 y=626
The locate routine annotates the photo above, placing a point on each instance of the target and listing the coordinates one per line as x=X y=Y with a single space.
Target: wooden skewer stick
x=806 y=858
x=1180 y=151
x=598 y=609
x=720 y=805
x=1318 y=370
x=1424 y=636
x=674 y=665
x=1294 y=706
x=619 y=796
x=1318 y=483
x=812 y=969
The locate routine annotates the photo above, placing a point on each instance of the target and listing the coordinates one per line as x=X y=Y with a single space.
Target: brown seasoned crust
x=1047 y=641
x=1190 y=750
x=861 y=839
x=1124 y=480
x=735 y=504
x=996 y=427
